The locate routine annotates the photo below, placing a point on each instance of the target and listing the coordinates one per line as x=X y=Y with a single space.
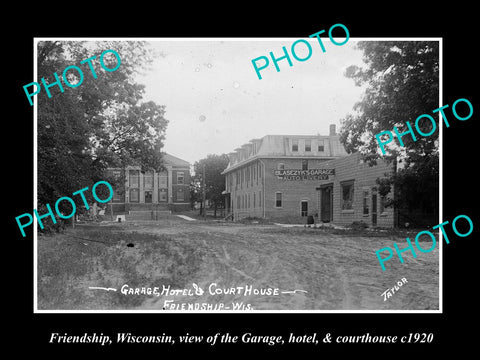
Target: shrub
x=48 y=226
x=358 y=225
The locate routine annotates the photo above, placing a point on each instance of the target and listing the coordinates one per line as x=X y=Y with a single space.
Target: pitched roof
x=174 y=161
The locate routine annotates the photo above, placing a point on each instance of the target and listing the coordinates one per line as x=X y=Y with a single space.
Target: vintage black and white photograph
x=238 y=174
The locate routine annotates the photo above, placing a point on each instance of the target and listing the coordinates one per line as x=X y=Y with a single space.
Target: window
x=180 y=195
x=238 y=202
x=321 y=146
x=304 y=207
x=134 y=195
x=278 y=199
x=162 y=181
x=260 y=198
x=347 y=195
x=248 y=200
x=148 y=180
x=294 y=145
x=134 y=176
x=365 y=202
x=304 y=164
x=162 y=195
x=280 y=166
x=180 y=178
x=254 y=200
x=308 y=145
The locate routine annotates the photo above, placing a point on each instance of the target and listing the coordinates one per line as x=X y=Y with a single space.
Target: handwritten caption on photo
x=389 y=292
x=213 y=289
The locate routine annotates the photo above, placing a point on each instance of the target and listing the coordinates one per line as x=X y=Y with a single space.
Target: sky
x=215 y=102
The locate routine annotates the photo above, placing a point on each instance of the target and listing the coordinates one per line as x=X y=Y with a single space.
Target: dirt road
x=305 y=269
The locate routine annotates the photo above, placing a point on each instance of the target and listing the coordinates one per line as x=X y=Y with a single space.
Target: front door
x=374 y=207
x=326 y=203
x=148 y=196
x=304 y=208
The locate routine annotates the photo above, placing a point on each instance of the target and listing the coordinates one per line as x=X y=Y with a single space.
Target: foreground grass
x=89 y=256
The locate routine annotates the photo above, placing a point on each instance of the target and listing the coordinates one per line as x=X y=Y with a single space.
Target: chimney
x=333 y=131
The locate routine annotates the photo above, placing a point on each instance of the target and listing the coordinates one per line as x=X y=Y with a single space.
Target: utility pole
x=204 y=195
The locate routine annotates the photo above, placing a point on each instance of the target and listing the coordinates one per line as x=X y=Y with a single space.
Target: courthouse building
x=289 y=177
x=151 y=190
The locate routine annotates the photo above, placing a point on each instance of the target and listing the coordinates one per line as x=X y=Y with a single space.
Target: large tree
x=402 y=82
x=98 y=124
x=214 y=180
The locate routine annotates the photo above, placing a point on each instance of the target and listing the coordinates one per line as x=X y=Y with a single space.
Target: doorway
x=326 y=203
x=148 y=196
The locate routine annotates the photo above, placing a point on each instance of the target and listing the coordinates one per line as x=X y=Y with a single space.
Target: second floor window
x=180 y=178
x=308 y=145
x=134 y=177
x=294 y=145
x=304 y=164
x=321 y=146
x=148 y=180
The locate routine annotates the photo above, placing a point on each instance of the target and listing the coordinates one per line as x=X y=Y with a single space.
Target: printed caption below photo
x=245 y=338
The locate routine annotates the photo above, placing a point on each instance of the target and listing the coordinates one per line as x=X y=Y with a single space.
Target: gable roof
x=174 y=161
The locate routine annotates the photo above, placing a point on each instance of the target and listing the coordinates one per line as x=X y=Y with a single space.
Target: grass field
x=334 y=270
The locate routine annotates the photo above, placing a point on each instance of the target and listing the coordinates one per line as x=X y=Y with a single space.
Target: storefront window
x=347 y=196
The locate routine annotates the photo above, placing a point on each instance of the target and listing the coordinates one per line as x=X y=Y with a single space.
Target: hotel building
x=289 y=177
